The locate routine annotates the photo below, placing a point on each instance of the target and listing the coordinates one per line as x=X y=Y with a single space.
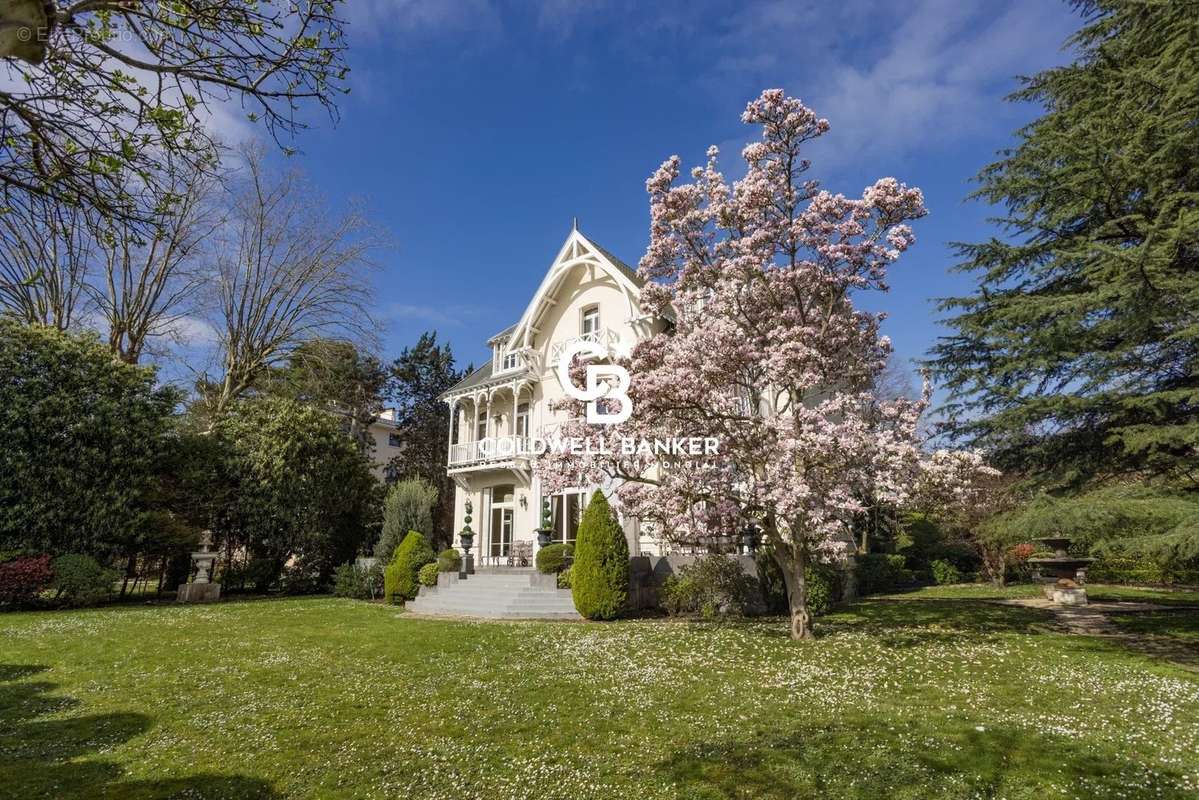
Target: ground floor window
x=568 y=510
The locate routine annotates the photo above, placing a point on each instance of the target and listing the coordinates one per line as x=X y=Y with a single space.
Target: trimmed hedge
x=552 y=558
x=1113 y=568
x=600 y=573
x=400 y=579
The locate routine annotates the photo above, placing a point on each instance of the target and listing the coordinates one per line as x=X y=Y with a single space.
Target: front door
x=501 y=534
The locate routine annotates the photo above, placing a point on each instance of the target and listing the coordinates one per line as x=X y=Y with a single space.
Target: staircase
x=496 y=593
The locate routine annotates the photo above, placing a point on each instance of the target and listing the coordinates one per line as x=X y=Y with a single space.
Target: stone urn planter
x=1063 y=575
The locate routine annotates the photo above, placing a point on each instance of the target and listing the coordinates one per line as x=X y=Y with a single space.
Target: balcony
x=604 y=337
x=492 y=450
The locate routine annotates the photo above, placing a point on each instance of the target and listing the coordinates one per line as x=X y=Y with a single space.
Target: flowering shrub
x=427 y=576
x=23 y=578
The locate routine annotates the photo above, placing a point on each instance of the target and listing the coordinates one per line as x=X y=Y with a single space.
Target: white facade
x=586 y=293
x=386 y=447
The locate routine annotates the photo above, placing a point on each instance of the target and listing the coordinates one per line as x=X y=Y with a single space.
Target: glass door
x=502 y=518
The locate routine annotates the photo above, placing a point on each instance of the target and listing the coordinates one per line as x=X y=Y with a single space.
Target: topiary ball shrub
x=600 y=573
x=944 y=572
x=449 y=560
x=427 y=576
x=80 y=580
x=552 y=558
x=400 y=579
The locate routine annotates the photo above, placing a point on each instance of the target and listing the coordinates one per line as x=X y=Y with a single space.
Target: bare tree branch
x=289 y=271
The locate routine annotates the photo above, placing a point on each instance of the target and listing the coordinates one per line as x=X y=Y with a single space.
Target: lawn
x=924 y=696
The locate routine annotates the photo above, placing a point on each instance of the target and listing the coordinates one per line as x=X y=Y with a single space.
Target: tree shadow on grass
x=58 y=757
x=868 y=760
x=899 y=623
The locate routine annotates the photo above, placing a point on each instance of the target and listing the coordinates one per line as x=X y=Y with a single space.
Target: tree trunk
x=793 y=565
x=130 y=572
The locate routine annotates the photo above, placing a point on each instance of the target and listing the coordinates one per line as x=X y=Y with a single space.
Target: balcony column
x=449 y=451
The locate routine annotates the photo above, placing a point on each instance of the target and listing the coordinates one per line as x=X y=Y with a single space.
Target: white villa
x=386 y=446
x=587 y=294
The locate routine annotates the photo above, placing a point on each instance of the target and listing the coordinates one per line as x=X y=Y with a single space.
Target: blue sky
x=476 y=130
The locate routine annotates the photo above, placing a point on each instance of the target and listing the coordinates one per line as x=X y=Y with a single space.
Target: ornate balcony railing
x=493 y=449
x=604 y=337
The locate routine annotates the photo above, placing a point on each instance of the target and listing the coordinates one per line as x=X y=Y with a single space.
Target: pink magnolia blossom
x=768 y=352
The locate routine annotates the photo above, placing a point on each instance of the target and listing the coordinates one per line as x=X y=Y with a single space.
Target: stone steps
x=496 y=594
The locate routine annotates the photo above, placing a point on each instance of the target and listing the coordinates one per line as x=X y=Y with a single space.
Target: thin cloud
x=440 y=315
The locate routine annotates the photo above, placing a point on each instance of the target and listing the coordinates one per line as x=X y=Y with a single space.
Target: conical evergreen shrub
x=600 y=575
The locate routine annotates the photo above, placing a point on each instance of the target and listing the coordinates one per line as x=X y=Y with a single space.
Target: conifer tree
x=1077 y=357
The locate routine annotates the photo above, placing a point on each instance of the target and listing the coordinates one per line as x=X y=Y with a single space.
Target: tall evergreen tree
x=418 y=379
x=333 y=374
x=1077 y=358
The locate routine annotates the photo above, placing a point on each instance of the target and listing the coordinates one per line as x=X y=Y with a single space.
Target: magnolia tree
x=768 y=355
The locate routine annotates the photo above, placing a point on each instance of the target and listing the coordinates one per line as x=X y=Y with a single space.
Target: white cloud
x=440 y=315
x=933 y=76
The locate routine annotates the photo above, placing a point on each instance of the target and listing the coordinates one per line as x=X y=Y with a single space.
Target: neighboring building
x=588 y=294
x=386 y=445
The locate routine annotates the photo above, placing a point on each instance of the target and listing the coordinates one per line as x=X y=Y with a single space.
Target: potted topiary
x=547 y=524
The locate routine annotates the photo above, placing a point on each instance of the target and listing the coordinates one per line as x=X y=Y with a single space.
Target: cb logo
x=595 y=387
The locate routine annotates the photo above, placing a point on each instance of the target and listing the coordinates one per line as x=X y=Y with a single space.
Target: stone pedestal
x=199 y=593
x=201 y=589
x=468 y=566
x=1074 y=596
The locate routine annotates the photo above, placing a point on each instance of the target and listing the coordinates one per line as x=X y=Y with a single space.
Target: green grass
x=921 y=697
x=1097 y=592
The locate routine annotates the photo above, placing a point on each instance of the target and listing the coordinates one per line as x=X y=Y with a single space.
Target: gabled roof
x=479 y=376
x=502 y=334
x=620 y=265
x=576 y=251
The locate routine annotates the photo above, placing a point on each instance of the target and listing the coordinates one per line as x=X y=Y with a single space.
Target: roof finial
x=574 y=224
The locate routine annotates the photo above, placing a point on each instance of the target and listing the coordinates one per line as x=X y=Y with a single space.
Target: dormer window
x=511 y=361
x=590 y=321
